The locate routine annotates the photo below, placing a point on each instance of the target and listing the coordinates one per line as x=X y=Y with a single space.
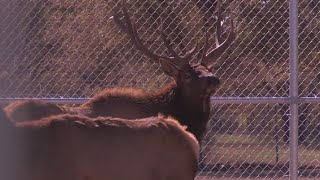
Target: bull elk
x=68 y=147
x=187 y=98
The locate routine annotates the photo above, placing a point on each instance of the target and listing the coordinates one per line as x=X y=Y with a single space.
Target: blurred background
x=72 y=49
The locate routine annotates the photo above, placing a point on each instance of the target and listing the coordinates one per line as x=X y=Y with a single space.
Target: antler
x=167 y=43
x=128 y=27
x=214 y=53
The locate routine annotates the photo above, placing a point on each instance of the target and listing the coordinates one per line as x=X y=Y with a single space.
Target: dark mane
x=123 y=93
x=167 y=88
x=129 y=94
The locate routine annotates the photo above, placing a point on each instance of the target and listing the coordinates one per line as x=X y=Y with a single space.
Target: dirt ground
x=215 y=178
x=306 y=174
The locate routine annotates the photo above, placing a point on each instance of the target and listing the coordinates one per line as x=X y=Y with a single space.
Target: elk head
x=194 y=79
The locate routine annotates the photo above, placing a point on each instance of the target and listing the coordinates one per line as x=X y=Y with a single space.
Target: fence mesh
x=72 y=49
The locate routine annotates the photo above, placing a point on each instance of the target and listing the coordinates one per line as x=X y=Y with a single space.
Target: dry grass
x=250 y=156
x=237 y=149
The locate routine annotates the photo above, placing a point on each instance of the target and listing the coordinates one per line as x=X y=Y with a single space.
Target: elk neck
x=190 y=111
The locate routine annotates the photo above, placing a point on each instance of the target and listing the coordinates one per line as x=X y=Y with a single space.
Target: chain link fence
x=72 y=49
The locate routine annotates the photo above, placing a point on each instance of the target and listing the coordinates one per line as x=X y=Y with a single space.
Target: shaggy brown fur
x=188 y=102
x=68 y=147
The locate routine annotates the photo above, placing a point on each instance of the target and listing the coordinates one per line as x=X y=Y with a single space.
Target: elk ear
x=170 y=68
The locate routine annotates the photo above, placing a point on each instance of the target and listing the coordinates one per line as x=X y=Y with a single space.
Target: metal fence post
x=293 y=89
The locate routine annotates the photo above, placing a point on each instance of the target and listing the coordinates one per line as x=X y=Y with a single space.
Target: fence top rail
x=214 y=100
x=266 y=100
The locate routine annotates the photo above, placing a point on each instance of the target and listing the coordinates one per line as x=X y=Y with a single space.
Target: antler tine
x=190 y=53
x=182 y=59
x=124 y=26
x=220 y=48
x=119 y=23
x=219 y=25
x=167 y=42
x=128 y=27
x=205 y=48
